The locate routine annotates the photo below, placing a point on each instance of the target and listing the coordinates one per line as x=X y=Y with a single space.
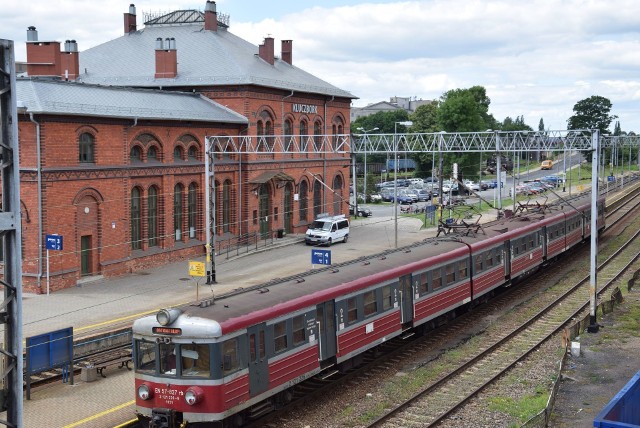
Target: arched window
x=304 y=133
x=317 y=198
x=178 y=193
x=304 y=202
x=86 y=148
x=178 y=153
x=136 y=219
x=288 y=137
x=152 y=216
x=334 y=136
x=260 y=133
x=192 y=205
x=226 y=206
x=317 y=135
x=268 y=132
x=193 y=153
x=337 y=129
x=337 y=195
x=152 y=154
x=136 y=154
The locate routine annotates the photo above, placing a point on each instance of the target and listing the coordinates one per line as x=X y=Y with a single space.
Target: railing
x=243 y=244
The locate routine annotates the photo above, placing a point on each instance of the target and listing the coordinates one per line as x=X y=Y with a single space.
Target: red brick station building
x=112 y=146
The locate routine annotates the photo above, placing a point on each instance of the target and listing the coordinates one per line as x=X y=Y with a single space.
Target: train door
x=506 y=257
x=258 y=362
x=326 y=321
x=406 y=299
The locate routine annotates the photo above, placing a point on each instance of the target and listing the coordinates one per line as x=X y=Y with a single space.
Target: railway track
x=429 y=351
x=437 y=401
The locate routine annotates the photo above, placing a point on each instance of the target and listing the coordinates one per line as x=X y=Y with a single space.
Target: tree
x=460 y=111
x=425 y=119
x=541 y=125
x=617 y=131
x=515 y=125
x=465 y=110
x=592 y=113
x=383 y=120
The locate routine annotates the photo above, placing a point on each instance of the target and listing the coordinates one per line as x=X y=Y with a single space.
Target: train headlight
x=144 y=392
x=193 y=395
x=167 y=316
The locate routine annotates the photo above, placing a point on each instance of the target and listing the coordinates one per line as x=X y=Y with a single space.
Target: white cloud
x=536 y=58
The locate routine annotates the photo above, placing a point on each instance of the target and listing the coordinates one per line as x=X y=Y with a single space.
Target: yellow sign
x=196 y=268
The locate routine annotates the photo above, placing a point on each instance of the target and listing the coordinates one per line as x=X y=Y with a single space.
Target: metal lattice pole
x=11 y=308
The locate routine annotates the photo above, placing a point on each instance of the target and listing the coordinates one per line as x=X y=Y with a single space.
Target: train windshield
x=194 y=359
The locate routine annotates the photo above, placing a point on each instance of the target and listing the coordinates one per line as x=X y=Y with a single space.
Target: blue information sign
x=54 y=242
x=611 y=178
x=320 y=257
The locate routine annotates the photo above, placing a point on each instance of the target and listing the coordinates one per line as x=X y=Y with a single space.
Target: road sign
x=611 y=178
x=320 y=257
x=54 y=242
x=196 y=268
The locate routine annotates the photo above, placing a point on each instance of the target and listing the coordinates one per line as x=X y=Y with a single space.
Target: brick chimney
x=43 y=58
x=130 y=25
x=210 y=16
x=166 y=58
x=287 y=51
x=265 y=50
x=69 y=61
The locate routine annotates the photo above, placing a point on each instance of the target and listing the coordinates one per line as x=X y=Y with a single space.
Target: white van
x=327 y=230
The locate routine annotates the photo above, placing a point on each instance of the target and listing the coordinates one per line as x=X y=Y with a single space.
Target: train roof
x=279 y=297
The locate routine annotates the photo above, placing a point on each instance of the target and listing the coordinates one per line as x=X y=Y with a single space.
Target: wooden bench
x=112 y=357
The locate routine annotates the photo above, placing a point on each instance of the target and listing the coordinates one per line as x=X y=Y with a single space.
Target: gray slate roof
x=205 y=58
x=67 y=98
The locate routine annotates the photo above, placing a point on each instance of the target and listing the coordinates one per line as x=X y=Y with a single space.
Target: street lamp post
x=395 y=174
x=364 y=131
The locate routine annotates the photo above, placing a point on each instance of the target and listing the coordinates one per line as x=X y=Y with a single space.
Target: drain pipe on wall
x=39 y=190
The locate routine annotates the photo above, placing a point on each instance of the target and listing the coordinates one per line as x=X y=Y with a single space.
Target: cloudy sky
x=536 y=58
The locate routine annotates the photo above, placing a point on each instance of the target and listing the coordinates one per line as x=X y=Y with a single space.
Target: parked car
x=472 y=185
x=375 y=197
x=362 y=211
x=448 y=186
x=411 y=193
x=423 y=195
x=489 y=184
x=404 y=199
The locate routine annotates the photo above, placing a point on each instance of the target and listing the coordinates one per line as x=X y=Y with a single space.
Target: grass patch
x=629 y=321
x=524 y=408
x=374 y=413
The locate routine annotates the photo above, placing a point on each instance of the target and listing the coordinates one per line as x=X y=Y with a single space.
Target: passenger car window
x=298 y=330
x=230 y=361
x=280 y=336
x=352 y=310
x=370 y=304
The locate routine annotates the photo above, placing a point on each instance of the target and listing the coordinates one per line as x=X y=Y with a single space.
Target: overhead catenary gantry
x=487 y=142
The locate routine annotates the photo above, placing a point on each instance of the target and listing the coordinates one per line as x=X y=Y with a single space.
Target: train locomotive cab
x=175 y=363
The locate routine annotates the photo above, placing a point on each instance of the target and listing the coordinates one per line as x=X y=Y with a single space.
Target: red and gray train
x=222 y=363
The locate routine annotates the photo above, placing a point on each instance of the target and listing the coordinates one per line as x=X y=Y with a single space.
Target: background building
x=395 y=103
